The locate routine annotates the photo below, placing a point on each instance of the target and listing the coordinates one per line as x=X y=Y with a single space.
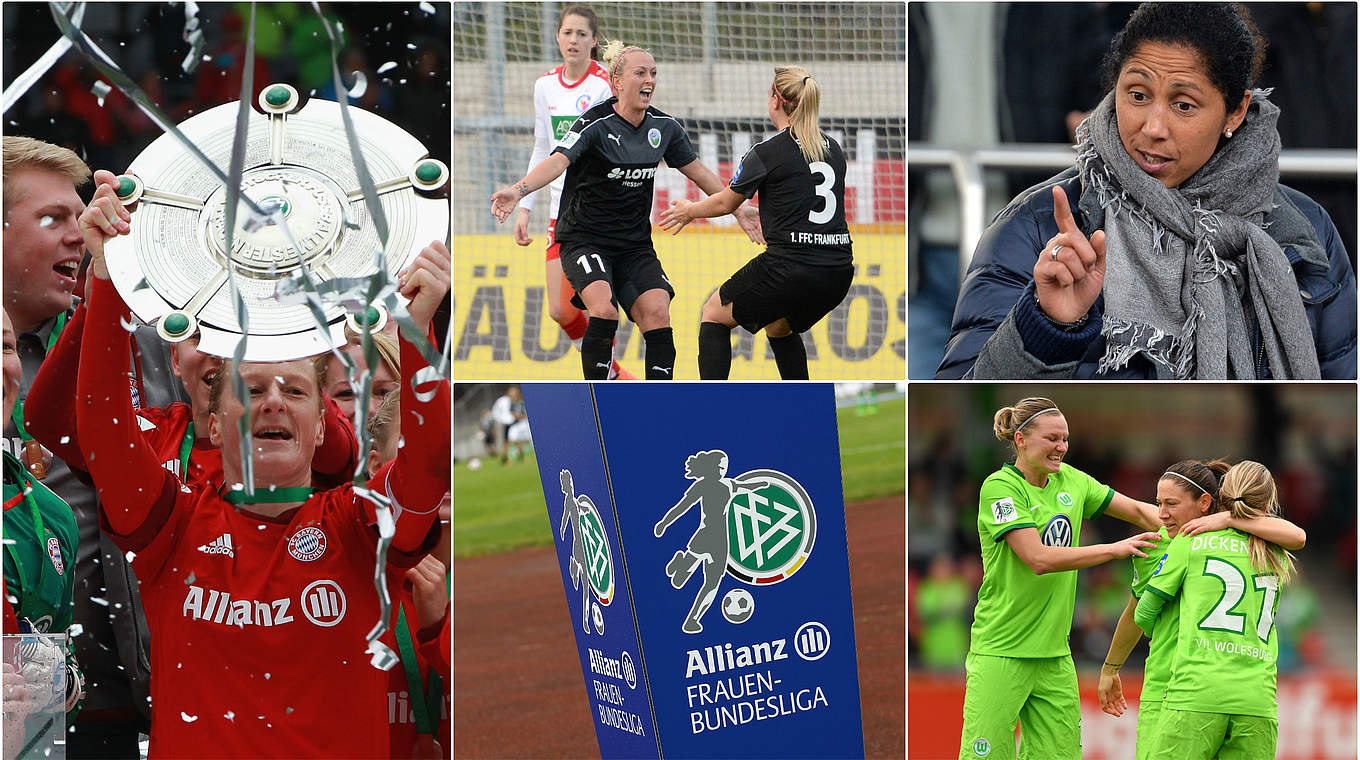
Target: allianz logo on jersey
x=631 y=177
x=322 y=602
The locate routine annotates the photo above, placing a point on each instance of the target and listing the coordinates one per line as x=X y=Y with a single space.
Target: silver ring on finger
x=1054 y=252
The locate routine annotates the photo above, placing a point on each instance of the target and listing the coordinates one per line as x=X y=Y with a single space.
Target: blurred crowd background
x=981 y=75
x=407 y=42
x=1125 y=436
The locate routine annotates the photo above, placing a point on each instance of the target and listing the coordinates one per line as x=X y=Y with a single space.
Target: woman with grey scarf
x=1170 y=250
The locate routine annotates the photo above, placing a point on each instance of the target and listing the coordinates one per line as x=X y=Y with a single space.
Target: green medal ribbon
x=424 y=707
x=186 y=446
x=268 y=496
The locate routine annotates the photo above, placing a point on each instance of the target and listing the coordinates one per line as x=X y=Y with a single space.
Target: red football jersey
x=52 y=420
x=258 y=627
x=258 y=623
x=401 y=717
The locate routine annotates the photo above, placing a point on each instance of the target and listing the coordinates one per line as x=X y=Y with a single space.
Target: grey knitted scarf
x=1188 y=269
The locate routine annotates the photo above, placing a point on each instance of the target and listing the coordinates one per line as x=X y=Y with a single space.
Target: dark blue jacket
x=1000 y=283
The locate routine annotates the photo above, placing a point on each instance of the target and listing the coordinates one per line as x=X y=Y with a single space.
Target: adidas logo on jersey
x=219 y=545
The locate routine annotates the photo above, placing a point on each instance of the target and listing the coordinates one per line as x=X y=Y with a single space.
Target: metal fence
x=967 y=167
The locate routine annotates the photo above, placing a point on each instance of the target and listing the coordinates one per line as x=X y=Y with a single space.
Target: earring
x=1228 y=134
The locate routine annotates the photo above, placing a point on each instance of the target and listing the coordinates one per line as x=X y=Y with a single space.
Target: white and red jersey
x=557 y=104
x=258 y=623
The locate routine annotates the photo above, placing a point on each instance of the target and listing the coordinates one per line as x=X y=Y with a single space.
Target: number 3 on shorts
x=584 y=261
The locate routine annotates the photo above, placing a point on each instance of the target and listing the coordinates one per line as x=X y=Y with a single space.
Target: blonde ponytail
x=1248 y=491
x=800 y=98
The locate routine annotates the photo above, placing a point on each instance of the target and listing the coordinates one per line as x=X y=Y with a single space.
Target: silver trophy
x=173 y=269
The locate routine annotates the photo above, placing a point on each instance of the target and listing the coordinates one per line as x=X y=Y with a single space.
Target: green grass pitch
x=498 y=507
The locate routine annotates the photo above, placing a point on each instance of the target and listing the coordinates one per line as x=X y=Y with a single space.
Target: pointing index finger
x=1062 y=212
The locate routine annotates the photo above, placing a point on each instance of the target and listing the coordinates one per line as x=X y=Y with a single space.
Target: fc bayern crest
x=54 y=552
x=583 y=103
x=307 y=544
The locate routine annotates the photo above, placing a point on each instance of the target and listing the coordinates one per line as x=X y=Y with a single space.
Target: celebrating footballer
x=806 y=269
x=610 y=156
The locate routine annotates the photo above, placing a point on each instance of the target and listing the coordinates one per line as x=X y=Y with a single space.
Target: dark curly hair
x=1223 y=34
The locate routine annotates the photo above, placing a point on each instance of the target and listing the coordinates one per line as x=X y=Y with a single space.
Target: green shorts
x=1149 y=712
x=1040 y=693
x=1189 y=735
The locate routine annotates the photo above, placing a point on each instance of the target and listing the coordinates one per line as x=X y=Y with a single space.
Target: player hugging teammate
x=610 y=156
x=1211 y=601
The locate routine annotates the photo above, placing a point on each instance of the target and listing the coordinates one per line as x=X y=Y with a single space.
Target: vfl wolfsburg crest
x=591 y=565
x=758 y=527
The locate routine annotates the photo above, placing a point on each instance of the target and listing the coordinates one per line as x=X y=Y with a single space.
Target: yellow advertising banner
x=502 y=331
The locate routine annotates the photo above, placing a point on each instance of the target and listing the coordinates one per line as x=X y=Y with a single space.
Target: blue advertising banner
x=729 y=541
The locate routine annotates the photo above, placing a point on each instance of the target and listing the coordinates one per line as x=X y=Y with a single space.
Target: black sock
x=660 y=355
x=790 y=356
x=597 y=347
x=715 y=351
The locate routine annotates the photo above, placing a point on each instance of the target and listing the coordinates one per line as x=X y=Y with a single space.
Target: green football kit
x=1221 y=695
x=1019 y=664
x=39 y=551
x=1161 y=651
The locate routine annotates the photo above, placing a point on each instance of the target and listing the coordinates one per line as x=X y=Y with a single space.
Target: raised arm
x=505 y=200
x=1134 y=512
x=49 y=410
x=127 y=474
x=419 y=476
x=1052 y=559
x=1276 y=530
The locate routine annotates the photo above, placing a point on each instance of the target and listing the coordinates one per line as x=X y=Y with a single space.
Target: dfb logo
x=758 y=527
x=323 y=602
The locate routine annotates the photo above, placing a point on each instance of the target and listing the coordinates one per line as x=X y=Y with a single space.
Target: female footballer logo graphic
x=591 y=565
x=758 y=527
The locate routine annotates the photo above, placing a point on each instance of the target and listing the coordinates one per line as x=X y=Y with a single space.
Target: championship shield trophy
x=173 y=270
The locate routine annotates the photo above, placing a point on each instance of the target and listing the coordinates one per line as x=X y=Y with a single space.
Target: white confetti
x=231 y=716
x=387 y=67
x=65 y=439
x=187 y=717
x=46 y=221
x=427 y=8
x=360 y=85
x=100 y=90
x=410 y=46
x=100 y=601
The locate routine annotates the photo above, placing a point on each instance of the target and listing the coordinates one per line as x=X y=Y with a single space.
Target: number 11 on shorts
x=585 y=263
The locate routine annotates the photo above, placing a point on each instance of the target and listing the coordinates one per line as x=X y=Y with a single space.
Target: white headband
x=1188 y=480
x=1036 y=414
